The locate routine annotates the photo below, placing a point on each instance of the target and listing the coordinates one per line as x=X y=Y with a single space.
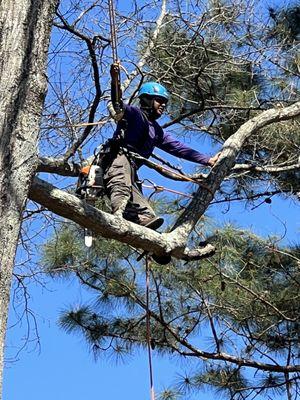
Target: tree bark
x=111 y=227
x=230 y=150
x=24 y=38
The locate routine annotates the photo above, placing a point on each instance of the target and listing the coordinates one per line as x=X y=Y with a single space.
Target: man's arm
x=116 y=105
x=214 y=159
x=179 y=149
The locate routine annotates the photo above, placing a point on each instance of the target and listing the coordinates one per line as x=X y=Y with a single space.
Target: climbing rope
x=159 y=189
x=148 y=328
x=113 y=34
x=148 y=332
x=167 y=172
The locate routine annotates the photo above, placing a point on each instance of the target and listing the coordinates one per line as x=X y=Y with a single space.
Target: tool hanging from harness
x=90 y=183
x=90 y=186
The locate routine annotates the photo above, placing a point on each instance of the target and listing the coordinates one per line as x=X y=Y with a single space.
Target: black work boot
x=162 y=260
x=151 y=222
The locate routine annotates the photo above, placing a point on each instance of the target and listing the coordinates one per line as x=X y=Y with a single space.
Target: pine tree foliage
x=203 y=73
x=286 y=23
x=245 y=299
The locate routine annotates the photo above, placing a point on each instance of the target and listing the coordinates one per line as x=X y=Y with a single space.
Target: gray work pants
x=121 y=182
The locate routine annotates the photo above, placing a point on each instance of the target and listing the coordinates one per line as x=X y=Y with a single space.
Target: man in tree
x=138 y=131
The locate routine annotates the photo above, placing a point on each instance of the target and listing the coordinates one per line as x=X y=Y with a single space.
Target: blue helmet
x=153 y=89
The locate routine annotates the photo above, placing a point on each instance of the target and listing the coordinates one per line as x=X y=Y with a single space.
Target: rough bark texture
x=109 y=226
x=24 y=37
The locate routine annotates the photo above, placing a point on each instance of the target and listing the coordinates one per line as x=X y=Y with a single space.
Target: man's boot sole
x=162 y=260
x=155 y=223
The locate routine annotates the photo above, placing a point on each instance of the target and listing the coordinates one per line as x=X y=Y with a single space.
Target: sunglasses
x=160 y=100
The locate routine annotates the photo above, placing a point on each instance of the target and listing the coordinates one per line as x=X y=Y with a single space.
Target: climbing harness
x=90 y=183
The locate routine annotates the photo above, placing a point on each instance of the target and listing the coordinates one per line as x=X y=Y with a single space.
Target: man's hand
x=116 y=92
x=214 y=159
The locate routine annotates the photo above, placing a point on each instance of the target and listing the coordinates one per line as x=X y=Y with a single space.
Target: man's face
x=159 y=105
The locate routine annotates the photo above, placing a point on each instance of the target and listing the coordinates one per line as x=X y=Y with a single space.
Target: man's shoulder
x=132 y=109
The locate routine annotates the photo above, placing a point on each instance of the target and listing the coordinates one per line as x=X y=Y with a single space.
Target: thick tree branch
x=108 y=226
x=58 y=166
x=231 y=148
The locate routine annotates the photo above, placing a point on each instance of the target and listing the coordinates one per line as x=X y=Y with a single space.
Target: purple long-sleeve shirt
x=143 y=136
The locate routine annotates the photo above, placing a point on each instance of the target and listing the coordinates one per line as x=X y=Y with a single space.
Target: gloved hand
x=115 y=70
x=214 y=159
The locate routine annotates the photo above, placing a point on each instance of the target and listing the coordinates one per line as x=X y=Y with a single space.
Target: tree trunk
x=24 y=37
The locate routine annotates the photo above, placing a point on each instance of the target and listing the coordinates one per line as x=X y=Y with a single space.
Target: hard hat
x=153 y=89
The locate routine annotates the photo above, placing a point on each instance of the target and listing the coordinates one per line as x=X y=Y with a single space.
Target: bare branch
x=269 y=169
x=98 y=92
x=151 y=44
x=58 y=166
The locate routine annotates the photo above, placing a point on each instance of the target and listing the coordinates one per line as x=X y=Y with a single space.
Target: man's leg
x=118 y=183
x=125 y=196
x=140 y=211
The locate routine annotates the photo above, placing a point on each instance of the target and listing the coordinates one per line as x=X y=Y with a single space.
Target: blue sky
x=64 y=369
